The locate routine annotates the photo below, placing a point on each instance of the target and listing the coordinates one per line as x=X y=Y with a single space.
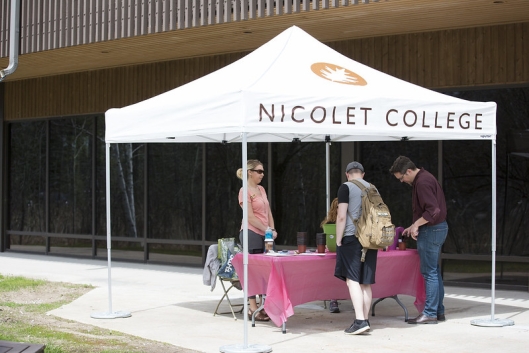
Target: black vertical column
x=47 y=191
x=93 y=187
x=3 y=139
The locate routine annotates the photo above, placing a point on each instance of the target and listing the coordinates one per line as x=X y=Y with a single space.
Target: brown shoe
x=423 y=319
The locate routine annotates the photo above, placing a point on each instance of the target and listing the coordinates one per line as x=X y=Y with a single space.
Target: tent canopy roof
x=295 y=87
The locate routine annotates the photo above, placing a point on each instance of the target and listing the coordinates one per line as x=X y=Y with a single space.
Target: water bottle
x=269 y=240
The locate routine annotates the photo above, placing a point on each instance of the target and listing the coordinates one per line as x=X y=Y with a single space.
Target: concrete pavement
x=171 y=304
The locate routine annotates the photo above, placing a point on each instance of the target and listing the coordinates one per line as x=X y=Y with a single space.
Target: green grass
x=29 y=322
x=35 y=308
x=60 y=341
x=8 y=284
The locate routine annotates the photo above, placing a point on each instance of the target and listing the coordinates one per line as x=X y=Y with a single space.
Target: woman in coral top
x=259 y=219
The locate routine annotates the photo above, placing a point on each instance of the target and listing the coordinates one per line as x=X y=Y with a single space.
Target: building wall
x=52 y=24
x=473 y=57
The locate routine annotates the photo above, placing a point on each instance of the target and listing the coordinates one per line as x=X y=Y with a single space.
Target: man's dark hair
x=401 y=165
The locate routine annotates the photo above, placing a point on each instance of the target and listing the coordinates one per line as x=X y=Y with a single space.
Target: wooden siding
x=472 y=57
x=75 y=37
x=483 y=56
x=53 y=24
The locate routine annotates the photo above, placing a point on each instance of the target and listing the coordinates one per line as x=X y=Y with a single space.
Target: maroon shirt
x=428 y=199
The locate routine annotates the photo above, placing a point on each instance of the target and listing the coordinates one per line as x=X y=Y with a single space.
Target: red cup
x=303 y=240
x=321 y=239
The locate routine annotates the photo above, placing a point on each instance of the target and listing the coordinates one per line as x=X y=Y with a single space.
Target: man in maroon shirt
x=429 y=228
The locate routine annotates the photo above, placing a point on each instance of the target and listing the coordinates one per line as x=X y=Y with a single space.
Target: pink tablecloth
x=292 y=280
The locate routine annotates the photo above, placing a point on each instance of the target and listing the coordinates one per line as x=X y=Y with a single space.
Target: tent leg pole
x=327 y=175
x=505 y=194
x=492 y=322
x=237 y=348
x=110 y=314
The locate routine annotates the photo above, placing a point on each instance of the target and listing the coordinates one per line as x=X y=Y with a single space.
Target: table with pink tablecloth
x=288 y=281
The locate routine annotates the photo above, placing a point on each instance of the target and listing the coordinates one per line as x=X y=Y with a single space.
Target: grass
x=24 y=304
x=8 y=284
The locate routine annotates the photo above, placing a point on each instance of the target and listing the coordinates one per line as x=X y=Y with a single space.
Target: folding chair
x=228 y=278
x=229 y=284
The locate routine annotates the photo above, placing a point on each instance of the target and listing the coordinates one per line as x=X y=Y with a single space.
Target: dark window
x=70 y=177
x=175 y=191
x=27 y=177
x=223 y=213
x=299 y=200
x=127 y=189
x=100 y=188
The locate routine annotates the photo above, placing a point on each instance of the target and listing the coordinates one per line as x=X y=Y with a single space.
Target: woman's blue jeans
x=429 y=243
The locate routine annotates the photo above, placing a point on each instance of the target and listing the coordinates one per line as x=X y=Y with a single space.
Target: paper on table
x=279 y=254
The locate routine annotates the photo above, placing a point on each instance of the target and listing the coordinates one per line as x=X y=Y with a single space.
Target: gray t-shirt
x=351 y=194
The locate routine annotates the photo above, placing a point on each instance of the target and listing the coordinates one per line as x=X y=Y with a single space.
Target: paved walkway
x=170 y=304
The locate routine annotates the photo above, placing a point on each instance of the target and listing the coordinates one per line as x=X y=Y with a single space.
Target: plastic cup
x=303 y=240
x=321 y=241
x=269 y=245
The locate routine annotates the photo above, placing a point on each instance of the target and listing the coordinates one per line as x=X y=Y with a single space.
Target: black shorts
x=255 y=242
x=349 y=264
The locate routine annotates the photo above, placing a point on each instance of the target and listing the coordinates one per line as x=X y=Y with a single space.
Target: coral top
x=259 y=205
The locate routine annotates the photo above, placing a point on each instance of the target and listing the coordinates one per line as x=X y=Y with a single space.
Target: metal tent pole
x=505 y=197
x=237 y=348
x=327 y=172
x=109 y=314
x=492 y=322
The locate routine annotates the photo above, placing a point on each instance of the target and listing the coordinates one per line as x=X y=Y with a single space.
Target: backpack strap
x=359 y=184
x=364 y=250
x=363 y=189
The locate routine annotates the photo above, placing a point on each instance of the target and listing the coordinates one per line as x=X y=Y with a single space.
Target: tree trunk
x=126 y=186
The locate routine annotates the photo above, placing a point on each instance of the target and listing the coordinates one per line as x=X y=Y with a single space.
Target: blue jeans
x=429 y=243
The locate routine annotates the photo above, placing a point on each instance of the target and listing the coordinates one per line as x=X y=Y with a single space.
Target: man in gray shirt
x=358 y=275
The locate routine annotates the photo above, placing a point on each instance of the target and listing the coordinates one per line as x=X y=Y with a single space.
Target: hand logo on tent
x=337 y=74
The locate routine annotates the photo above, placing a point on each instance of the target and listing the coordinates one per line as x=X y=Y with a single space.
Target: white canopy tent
x=296 y=88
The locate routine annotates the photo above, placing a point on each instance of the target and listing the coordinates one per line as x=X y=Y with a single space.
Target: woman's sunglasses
x=259 y=171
